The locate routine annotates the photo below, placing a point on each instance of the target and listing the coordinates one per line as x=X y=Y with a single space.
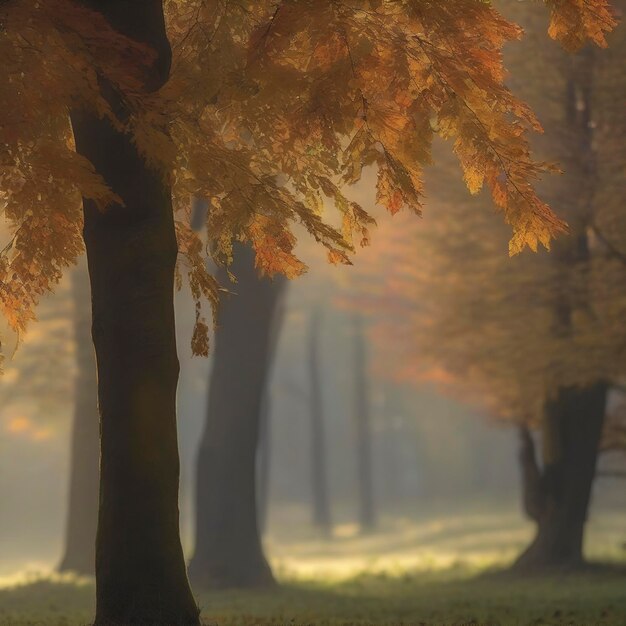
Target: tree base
x=149 y=617
x=148 y=622
x=542 y=559
x=76 y=566
x=216 y=576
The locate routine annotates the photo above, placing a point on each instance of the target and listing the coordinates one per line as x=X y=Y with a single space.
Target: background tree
x=376 y=79
x=319 y=458
x=362 y=425
x=80 y=540
x=263 y=462
x=228 y=550
x=538 y=338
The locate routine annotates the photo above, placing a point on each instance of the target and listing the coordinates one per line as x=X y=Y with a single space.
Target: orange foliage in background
x=447 y=306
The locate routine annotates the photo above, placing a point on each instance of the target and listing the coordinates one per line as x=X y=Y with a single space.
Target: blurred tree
x=319 y=458
x=539 y=339
x=228 y=551
x=573 y=415
x=363 y=435
x=82 y=518
x=263 y=464
x=356 y=86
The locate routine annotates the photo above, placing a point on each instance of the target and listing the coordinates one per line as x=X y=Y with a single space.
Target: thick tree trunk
x=367 y=514
x=228 y=547
x=573 y=427
x=319 y=460
x=82 y=521
x=131 y=251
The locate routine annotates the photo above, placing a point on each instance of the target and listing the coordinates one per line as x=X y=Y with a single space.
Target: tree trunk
x=131 y=251
x=82 y=521
x=574 y=417
x=319 y=461
x=228 y=550
x=367 y=515
x=533 y=495
x=573 y=427
x=264 y=454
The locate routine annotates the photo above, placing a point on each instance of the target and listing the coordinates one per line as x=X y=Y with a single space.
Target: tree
x=263 y=465
x=319 y=458
x=369 y=84
x=131 y=251
x=537 y=339
x=80 y=539
x=363 y=438
x=573 y=417
x=228 y=551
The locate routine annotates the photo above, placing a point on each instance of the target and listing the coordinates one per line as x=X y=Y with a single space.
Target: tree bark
x=572 y=431
x=228 y=550
x=82 y=521
x=367 y=514
x=319 y=460
x=131 y=251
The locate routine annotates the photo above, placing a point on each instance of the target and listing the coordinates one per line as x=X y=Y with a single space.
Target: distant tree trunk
x=131 y=251
x=391 y=466
x=558 y=497
x=82 y=520
x=367 y=514
x=228 y=549
x=319 y=460
x=264 y=461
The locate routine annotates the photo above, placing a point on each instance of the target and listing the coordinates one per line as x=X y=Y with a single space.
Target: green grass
x=455 y=596
x=426 y=570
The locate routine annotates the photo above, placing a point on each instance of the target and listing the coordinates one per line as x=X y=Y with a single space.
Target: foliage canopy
x=272 y=108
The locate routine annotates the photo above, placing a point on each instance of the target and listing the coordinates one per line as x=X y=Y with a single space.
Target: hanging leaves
x=573 y=22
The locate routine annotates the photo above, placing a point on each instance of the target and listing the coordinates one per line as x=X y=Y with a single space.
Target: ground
x=446 y=597
x=435 y=569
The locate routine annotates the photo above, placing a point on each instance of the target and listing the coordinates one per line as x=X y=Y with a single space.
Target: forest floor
x=455 y=596
x=432 y=570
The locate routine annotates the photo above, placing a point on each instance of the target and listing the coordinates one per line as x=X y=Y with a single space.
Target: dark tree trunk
x=82 y=520
x=367 y=514
x=319 y=461
x=558 y=495
x=264 y=455
x=131 y=251
x=228 y=547
x=391 y=463
x=557 y=498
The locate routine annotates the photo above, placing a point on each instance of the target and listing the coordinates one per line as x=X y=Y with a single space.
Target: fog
x=446 y=483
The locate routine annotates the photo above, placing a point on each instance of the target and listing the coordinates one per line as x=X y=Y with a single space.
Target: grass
x=414 y=571
x=454 y=596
